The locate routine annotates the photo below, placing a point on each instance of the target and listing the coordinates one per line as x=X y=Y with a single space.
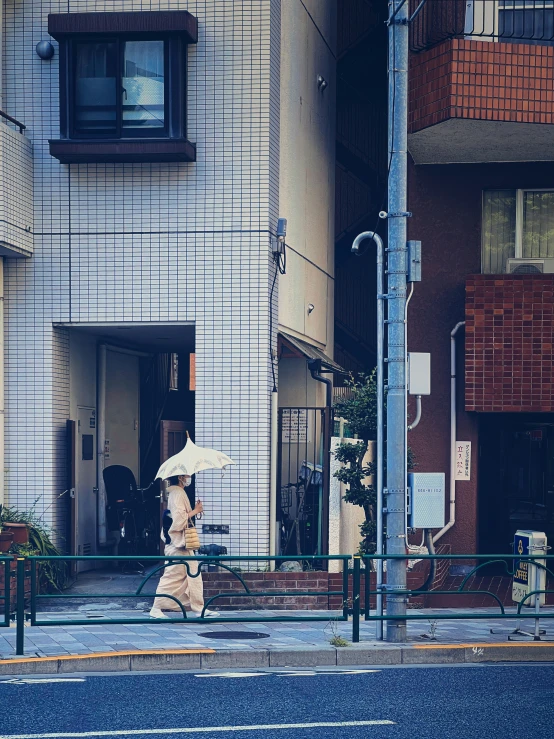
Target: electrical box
x=527 y=577
x=414 y=261
x=426 y=505
x=419 y=373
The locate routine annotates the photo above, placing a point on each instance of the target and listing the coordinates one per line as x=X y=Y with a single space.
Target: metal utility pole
x=395 y=500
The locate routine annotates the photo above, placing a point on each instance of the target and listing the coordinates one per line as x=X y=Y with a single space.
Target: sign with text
x=463 y=460
x=295 y=425
x=527 y=577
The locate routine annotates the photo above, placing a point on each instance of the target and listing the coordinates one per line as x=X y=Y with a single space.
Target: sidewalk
x=156 y=645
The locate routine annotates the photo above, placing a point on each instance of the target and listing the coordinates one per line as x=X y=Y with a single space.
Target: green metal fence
x=505 y=561
x=349 y=598
x=31 y=564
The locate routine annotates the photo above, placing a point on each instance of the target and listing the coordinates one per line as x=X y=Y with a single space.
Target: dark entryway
x=303 y=481
x=516 y=480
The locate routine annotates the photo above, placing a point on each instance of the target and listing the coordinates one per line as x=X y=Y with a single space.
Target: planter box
x=13 y=585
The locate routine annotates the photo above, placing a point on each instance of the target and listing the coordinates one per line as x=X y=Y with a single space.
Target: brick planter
x=13 y=586
x=291 y=583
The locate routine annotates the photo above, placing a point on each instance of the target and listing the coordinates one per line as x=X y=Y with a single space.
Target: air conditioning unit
x=530 y=266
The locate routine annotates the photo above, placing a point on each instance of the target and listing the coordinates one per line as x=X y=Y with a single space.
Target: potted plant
x=53 y=574
x=6 y=540
x=6 y=537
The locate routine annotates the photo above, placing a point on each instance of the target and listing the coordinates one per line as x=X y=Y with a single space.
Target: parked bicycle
x=131 y=512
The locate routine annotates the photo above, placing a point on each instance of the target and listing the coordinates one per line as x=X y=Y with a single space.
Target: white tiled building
x=170 y=255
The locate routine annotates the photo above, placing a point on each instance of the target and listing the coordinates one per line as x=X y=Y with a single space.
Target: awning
x=298 y=348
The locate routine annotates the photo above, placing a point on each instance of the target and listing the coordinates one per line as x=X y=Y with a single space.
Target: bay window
x=123 y=86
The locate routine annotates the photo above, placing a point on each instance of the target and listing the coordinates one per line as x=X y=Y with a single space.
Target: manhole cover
x=234 y=635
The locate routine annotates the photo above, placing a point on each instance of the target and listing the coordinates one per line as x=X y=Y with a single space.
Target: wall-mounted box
x=426 y=500
x=419 y=373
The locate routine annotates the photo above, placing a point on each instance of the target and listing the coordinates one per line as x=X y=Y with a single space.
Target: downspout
x=2 y=469
x=314 y=365
x=273 y=477
x=380 y=411
x=100 y=441
x=452 y=516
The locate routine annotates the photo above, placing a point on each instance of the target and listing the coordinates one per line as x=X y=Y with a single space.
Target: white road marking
x=286 y=673
x=200 y=730
x=33 y=681
x=311 y=673
x=234 y=674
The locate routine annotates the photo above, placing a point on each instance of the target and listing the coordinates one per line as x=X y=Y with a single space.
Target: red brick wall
x=509 y=340
x=292 y=583
x=462 y=78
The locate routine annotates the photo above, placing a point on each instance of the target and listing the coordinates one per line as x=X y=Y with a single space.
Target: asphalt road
x=491 y=701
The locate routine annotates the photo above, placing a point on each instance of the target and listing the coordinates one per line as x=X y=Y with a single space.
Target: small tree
x=360 y=412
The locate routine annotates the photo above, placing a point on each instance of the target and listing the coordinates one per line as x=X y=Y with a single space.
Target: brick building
x=481 y=191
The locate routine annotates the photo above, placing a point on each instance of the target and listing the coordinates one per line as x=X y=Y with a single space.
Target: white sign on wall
x=463 y=460
x=295 y=425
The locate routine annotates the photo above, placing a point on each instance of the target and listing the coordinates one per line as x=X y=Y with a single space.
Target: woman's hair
x=173 y=480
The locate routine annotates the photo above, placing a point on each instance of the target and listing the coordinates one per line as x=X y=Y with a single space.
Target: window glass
x=143 y=84
x=95 y=87
x=499 y=229
x=538 y=224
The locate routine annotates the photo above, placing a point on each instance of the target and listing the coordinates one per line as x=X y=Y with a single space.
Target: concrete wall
x=307 y=169
x=344 y=518
x=446 y=205
x=296 y=386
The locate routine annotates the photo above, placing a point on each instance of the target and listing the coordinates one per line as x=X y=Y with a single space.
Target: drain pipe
x=452 y=516
x=273 y=477
x=100 y=441
x=380 y=412
x=314 y=365
x=2 y=463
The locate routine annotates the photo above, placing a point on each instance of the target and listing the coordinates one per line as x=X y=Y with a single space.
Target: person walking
x=188 y=590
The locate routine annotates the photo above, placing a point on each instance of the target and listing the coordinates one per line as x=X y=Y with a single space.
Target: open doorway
x=516 y=479
x=131 y=401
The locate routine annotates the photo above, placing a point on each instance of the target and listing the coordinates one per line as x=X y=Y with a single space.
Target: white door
x=85 y=485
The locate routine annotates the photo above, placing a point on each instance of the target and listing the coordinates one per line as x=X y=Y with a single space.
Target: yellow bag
x=192 y=540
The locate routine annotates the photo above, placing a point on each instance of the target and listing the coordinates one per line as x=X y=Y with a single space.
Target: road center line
x=199 y=730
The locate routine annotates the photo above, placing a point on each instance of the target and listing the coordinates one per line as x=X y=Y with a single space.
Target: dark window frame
x=177 y=29
x=175 y=89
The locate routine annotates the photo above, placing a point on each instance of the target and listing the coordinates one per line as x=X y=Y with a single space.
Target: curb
x=355 y=654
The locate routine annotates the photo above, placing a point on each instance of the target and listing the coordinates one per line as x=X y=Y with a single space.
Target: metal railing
x=506 y=561
x=510 y=21
x=350 y=597
x=15 y=122
x=29 y=565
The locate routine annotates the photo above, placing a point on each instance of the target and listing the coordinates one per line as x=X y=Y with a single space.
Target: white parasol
x=193 y=459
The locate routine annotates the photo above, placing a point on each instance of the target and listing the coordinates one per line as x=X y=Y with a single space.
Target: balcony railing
x=510 y=21
x=9 y=119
